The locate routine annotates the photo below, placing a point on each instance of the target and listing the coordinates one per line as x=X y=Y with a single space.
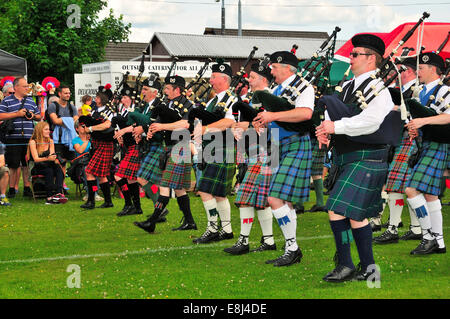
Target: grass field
x=118 y=260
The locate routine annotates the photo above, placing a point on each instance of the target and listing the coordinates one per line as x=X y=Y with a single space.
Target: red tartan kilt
x=100 y=162
x=130 y=165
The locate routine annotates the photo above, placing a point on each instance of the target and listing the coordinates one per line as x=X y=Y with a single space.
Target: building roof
x=223 y=46
x=124 y=51
x=268 y=33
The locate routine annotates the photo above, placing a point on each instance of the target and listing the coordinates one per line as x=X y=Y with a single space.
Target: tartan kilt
x=177 y=174
x=448 y=156
x=357 y=191
x=149 y=169
x=129 y=165
x=217 y=178
x=318 y=158
x=254 y=188
x=399 y=171
x=426 y=176
x=100 y=162
x=291 y=180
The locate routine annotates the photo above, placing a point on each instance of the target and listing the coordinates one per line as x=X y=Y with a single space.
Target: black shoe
x=364 y=274
x=425 y=247
x=289 y=258
x=386 y=238
x=207 y=237
x=316 y=208
x=409 y=235
x=442 y=250
x=27 y=192
x=340 y=274
x=124 y=209
x=375 y=227
x=148 y=226
x=386 y=225
x=11 y=193
x=239 y=248
x=299 y=209
x=130 y=211
x=264 y=246
x=107 y=205
x=88 y=205
x=224 y=235
x=186 y=226
x=162 y=218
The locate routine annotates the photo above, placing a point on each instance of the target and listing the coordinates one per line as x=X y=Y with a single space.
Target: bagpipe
x=435 y=133
x=309 y=75
x=432 y=132
x=222 y=106
x=105 y=135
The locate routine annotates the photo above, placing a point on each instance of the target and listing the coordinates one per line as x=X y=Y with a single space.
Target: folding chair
x=37 y=182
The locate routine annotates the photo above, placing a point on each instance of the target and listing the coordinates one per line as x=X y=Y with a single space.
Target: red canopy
x=433 y=35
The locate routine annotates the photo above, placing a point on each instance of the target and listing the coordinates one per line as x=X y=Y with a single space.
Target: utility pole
x=223 y=17
x=239 y=19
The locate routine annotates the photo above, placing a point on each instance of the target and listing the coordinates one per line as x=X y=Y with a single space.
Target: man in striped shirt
x=22 y=110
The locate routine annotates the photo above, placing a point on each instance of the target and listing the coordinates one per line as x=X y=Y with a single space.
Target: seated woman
x=41 y=151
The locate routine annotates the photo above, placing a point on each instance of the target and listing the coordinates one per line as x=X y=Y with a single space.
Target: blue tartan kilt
x=291 y=180
x=427 y=175
x=357 y=191
x=149 y=169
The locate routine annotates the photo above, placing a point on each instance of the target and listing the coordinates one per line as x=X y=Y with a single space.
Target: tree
x=55 y=40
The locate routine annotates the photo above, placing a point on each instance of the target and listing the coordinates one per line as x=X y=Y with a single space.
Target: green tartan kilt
x=291 y=180
x=217 y=178
x=177 y=174
x=318 y=158
x=149 y=169
x=426 y=176
x=357 y=191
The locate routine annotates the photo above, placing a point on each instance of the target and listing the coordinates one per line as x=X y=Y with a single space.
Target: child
x=86 y=107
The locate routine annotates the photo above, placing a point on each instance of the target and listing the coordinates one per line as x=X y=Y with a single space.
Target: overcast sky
x=192 y=16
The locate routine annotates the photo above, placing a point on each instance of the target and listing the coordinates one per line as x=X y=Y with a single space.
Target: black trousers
x=53 y=175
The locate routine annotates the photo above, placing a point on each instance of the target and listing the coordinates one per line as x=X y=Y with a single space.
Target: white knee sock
x=419 y=205
x=247 y=215
x=265 y=221
x=435 y=210
x=415 y=225
x=287 y=226
x=396 y=204
x=211 y=214
x=224 y=209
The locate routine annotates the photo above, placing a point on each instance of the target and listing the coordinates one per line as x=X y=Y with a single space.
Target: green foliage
x=38 y=31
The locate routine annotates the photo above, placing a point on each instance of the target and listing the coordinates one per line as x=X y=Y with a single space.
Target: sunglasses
x=9 y=93
x=355 y=54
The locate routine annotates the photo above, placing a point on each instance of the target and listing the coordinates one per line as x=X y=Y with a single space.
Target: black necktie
x=348 y=91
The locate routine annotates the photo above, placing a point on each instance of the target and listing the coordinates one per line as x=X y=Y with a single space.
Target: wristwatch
x=90 y=129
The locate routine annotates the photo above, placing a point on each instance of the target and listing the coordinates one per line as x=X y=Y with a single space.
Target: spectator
x=86 y=108
x=41 y=151
x=8 y=90
x=22 y=110
x=4 y=177
x=63 y=114
x=82 y=144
